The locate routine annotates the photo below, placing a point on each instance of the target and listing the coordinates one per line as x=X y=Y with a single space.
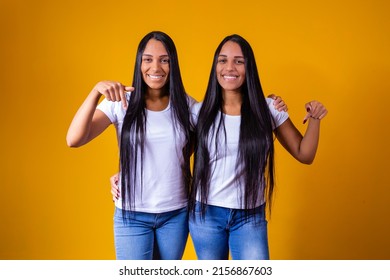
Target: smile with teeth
x=155 y=77
x=229 y=77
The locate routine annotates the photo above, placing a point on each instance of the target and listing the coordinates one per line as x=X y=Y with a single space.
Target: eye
x=146 y=59
x=240 y=61
x=165 y=60
x=222 y=60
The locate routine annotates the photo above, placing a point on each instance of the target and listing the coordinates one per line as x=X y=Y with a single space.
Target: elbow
x=72 y=143
x=75 y=140
x=306 y=157
x=307 y=160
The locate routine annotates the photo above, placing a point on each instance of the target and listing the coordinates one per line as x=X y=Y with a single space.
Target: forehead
x=231 y=48
x=155 y=47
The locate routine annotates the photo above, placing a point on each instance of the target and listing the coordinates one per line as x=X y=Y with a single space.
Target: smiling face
x=230 y=67
x=155 y=65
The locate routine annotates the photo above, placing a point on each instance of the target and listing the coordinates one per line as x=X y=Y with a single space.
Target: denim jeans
x=147 y=236
x=223 y=229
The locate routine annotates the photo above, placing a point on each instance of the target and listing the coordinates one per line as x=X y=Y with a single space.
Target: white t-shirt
x=163 y=187
x=226 y=186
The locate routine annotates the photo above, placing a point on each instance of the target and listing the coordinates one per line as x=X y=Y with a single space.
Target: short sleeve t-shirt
x=163 y=188
x=226 y=186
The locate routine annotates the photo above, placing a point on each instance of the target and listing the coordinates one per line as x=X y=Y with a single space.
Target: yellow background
x=55 y=201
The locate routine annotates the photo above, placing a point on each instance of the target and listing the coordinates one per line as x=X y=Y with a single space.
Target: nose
x=230 y=65
x=155 y=65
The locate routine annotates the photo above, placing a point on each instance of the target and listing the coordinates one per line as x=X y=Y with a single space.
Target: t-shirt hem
x=230 y=206
x=154 y=210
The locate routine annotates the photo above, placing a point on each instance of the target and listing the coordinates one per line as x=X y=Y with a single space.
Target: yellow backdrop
x=55 y=201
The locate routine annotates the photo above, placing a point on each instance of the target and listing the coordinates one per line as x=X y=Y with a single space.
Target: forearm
x=303 y=148
x=309 y=144
x=80 y=127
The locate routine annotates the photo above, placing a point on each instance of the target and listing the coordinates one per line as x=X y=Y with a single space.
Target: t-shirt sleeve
x=194 y=113
x=108 y=108
x=191 y=104
x=113 y=110
x=278 y=117
x=191 y=101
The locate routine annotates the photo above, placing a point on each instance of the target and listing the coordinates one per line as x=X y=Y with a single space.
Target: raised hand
x=315 y=110
x=113 y=91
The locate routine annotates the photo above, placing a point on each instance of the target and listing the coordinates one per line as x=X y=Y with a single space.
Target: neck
x=232 y=101
x=156 y=100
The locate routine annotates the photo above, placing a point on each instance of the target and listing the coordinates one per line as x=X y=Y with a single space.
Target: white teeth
x=229 y=77
x=155 y=76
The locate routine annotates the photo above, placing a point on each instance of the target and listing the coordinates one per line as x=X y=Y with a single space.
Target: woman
x=233 y=176
x=153 y=129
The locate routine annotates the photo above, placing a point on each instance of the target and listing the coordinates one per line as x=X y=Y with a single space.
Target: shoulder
x=191 y=101
x=193 y=104
x=195 y=108
x=278 y=117
x=270 y=103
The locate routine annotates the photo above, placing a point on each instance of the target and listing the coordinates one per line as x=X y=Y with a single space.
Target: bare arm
x=303 y=148
x=89 y=122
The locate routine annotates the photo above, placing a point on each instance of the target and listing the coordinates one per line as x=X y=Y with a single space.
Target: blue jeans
x=222 y=229
x=147 y=236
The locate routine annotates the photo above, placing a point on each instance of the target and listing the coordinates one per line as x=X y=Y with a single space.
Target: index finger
x=122 y=93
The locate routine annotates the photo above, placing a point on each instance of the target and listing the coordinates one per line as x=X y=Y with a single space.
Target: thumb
x=306 y=118
x=273 y=96
x=308 y=110
x=308 y=107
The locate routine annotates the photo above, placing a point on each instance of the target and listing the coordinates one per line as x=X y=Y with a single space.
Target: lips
x=155 y=77
x=229 y=77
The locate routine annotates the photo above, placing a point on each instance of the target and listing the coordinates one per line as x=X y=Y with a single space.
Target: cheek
x=218 y=72
x=143 y=69
x=218 y=69
x=166 y=70
x=243 y=75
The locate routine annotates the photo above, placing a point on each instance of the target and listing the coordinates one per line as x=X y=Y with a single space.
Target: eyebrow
x=237 y=56
x=164 y=55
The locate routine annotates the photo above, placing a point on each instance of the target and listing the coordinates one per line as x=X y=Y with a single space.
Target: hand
x=315 y=110
x=114 y=187
x=113 y=91
x=278 y=103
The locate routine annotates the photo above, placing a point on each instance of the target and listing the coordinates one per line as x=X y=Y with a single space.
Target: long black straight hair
x=255 y=160
x=134 y=123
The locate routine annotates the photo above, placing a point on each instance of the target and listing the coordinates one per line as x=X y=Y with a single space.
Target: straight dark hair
x=255 y=161
x=134 y=123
